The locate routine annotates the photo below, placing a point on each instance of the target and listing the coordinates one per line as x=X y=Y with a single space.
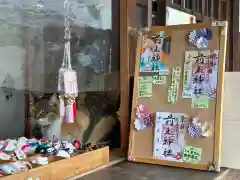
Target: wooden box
x=64 y=168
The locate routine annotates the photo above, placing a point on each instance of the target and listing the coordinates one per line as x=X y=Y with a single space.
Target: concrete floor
x=133 y=171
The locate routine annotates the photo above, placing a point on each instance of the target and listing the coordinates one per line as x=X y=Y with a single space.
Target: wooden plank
x=219 y=103
x=66 y=168
x=124 y=70
x=180 y=27
x=131 y=140
x=169 y=163
x=111 y=163
x=127 y=21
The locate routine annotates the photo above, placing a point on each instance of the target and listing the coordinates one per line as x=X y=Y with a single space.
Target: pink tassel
x=74 y=109
x=69 y=116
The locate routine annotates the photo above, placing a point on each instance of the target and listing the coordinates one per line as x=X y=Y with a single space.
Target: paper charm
x=10 y=145
x=198 y=129
x=207 y=130
x=202 y=43
x=54 y=139
x=207 y=133
x=4 y=156
x=144 y=119
x=174 y=87
x=145 y=86
x=157 y=79
x=56 y=143
x=151 y=55
x=63 y=153
x=148 y=120
x=7 y=169
x=200 y=37
x=20 y=154
x=139 y=124
x=41 y=160
x=169 y=139
x=204 y=32
x=143 y=123
x=131 y=157
x=50 y=151
x=192 y=37
x=141 y=111
x=192 y=155
x=200 y=102
x=195 y=128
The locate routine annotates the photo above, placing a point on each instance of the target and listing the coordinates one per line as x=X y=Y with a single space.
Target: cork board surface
x=142 y=141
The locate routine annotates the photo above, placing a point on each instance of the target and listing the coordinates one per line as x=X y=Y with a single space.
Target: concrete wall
x=231 y=121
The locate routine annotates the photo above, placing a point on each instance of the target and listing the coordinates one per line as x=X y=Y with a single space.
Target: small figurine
x=57 y=146
x=70 y=151
x=42 y=145
x=63 y=153
x=40 y=149
x=50 y=151
x=77 y=144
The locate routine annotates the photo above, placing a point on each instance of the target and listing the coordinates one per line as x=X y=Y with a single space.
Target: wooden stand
x=61 y=168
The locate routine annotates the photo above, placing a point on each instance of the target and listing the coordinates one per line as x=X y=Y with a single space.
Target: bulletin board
x=178 y=92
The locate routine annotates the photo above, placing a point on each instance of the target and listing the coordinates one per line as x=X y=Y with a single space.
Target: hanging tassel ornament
x=60 y=78
x=74 y=109
x=62 y=107
x=67 y=79
x=69 y=115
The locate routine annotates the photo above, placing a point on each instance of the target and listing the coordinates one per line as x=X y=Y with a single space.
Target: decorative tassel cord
x=67 y=79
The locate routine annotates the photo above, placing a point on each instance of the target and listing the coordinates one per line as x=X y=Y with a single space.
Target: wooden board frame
x=215 y=164
x=66 y=168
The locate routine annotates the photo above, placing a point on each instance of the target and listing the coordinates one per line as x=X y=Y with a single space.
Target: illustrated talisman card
x=200 y=73
x=169 y=140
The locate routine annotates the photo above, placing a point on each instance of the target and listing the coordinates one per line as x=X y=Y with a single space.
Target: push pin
x=166 y=45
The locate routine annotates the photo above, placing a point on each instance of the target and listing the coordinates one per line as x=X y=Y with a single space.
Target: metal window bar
x=179 y=2
x=216 y=9
x=223 y=10
x=208 y=7
x=188 y=4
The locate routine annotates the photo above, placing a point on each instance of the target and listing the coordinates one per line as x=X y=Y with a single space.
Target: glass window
x=31 y=53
